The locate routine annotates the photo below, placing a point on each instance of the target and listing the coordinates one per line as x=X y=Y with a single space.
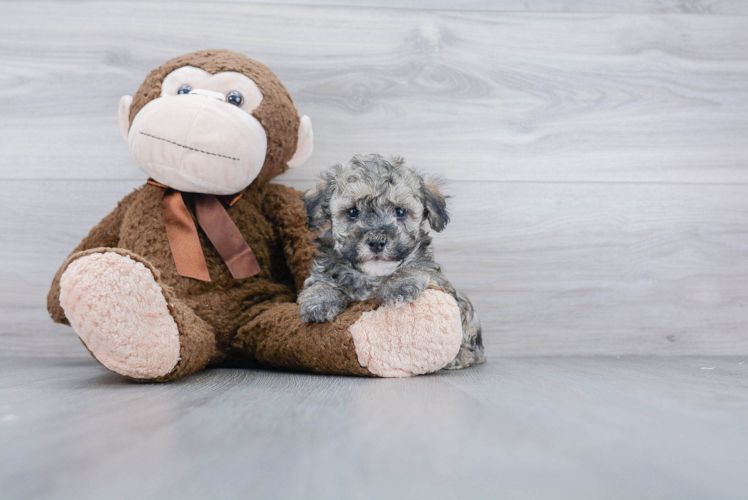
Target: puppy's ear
x=435 y=204
x=317 y=201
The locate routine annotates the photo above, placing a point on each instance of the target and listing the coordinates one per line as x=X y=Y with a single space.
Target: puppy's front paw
x=321 y=302
x=320 y=310
x=404 y=289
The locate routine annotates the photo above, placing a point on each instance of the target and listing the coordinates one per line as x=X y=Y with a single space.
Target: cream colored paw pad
x=119 y=311
x=420 y=337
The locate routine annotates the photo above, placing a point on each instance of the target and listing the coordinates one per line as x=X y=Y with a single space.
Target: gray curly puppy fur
x=373 y=243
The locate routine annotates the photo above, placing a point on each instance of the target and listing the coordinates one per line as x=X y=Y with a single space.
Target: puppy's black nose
x=376 y=245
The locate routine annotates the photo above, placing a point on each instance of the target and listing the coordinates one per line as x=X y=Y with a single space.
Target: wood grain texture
x=701 y=7
x=598 y=161
x=560 y=428
x=598 y=167
x=474 y=95
x=551 y=268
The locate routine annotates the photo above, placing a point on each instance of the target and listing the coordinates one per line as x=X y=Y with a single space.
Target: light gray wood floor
x=576 y=428
x=597 y=154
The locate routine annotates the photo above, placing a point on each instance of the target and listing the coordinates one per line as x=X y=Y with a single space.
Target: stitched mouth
x=188 y=147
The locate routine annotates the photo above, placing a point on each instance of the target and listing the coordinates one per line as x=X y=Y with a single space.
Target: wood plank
x=551 y=268
x=588 y=428
x=702 y=7
x=474 y=95
x=29 y=333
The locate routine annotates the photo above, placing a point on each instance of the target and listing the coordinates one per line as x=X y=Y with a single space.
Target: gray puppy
x=373 y=244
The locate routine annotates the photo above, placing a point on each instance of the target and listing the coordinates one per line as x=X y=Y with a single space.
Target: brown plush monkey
x=200 y=266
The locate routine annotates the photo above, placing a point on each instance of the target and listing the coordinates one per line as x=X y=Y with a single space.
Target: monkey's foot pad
x=119 y=311
x=416 y=338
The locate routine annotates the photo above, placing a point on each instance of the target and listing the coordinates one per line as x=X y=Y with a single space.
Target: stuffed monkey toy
x=201 y=265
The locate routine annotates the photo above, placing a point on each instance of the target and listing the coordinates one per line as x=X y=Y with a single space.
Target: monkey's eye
x=184 y=89
x=235 y=98
x=352 y=213
x=400 y=212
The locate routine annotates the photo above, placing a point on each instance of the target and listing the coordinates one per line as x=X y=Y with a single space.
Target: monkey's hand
x=402 y=286
x=321 y=302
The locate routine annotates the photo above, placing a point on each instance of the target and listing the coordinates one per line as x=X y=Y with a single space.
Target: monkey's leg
x=416 y=338
x=128 y=321
x=471 y=350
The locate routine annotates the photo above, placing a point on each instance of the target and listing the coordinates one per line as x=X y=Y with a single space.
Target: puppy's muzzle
x=376 y=243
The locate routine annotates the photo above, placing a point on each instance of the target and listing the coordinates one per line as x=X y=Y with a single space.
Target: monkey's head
x=213 y=122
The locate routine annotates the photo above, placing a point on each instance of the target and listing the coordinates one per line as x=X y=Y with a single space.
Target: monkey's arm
x=278 y=337
x=104 y=234
x=417 y=338
x=283 y=206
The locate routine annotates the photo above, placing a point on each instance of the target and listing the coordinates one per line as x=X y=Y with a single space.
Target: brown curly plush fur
x=227 y=321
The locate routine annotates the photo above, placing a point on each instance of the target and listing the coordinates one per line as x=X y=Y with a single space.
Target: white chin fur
x=378 y=267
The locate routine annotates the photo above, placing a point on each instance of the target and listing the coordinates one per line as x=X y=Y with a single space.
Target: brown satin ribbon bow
x=217 y=225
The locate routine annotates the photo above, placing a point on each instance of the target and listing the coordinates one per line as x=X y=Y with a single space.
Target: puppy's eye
x=184 y=89
x=400 y=212
x=234 y=97
x=352 y=213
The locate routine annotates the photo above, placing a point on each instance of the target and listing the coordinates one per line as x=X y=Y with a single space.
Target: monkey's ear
x=317 y=202
x=436 y=204
x=305 y=144
x=124 y=115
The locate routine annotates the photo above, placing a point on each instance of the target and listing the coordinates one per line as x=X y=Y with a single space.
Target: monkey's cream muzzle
x=198 y=143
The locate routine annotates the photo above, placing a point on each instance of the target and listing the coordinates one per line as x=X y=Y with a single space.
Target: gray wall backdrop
x=596 y=151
